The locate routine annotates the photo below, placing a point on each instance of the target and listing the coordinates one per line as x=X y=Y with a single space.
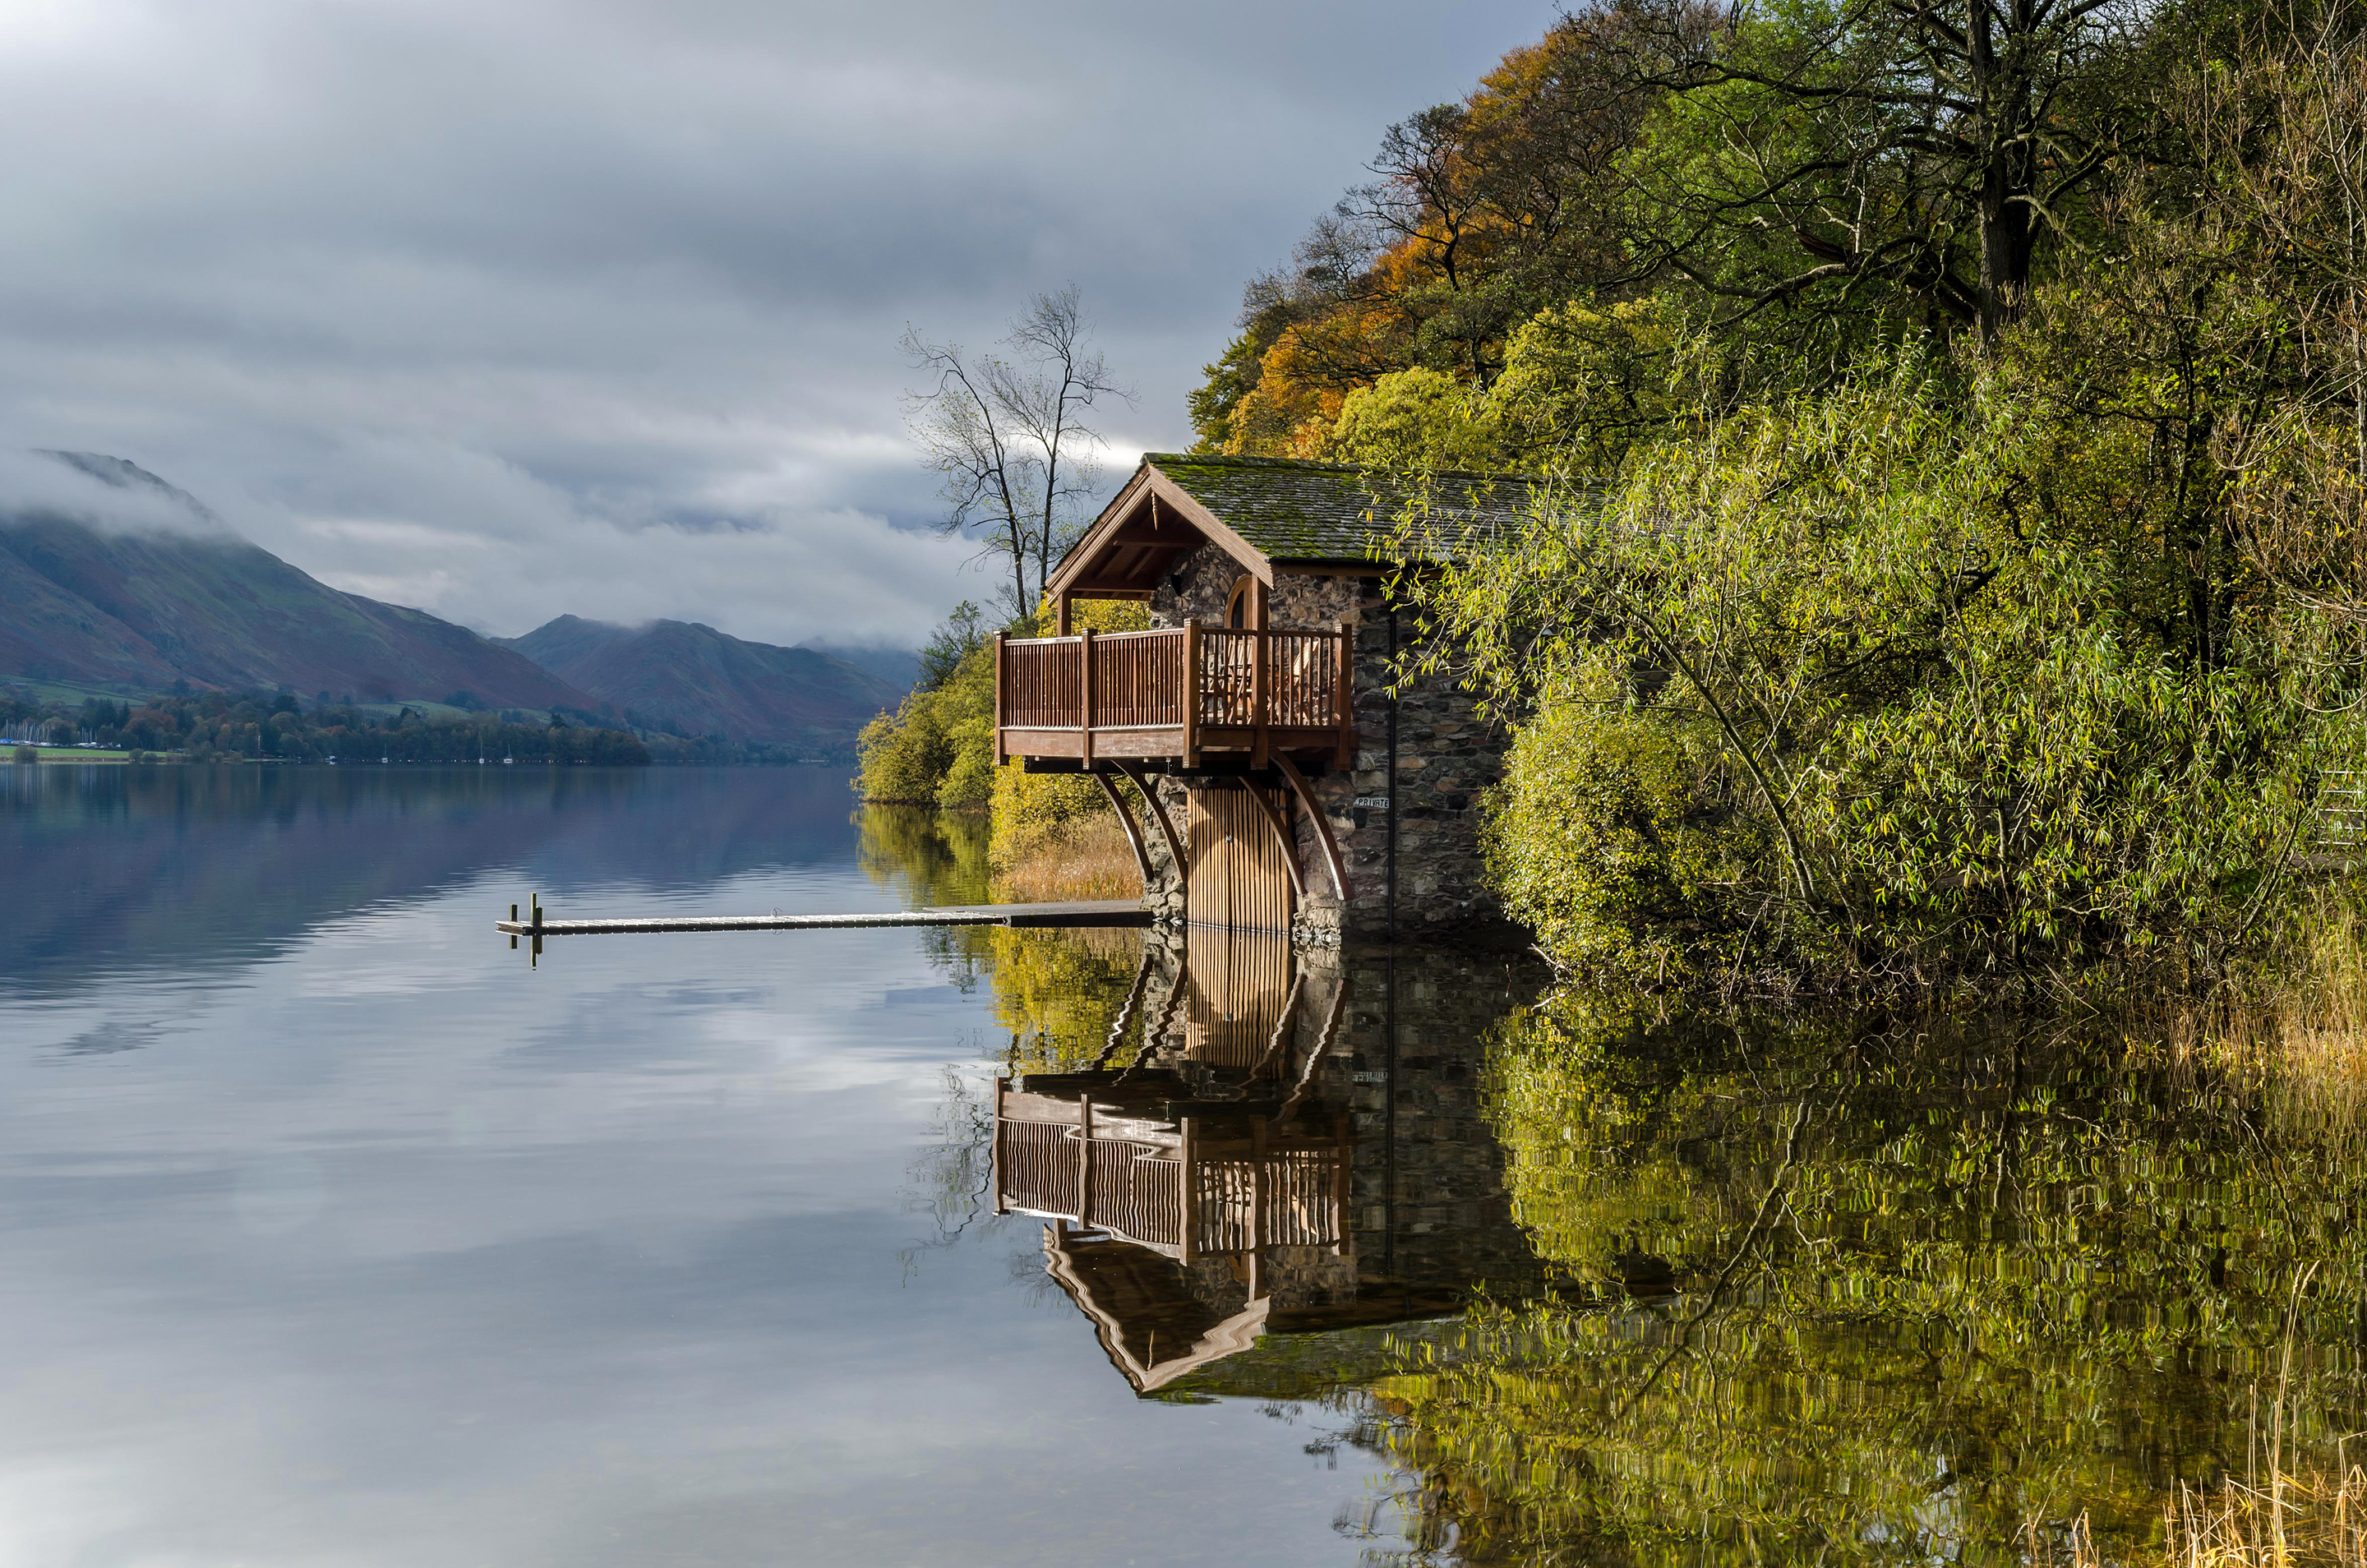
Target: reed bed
x=1085 y=857
x=2315 y=1521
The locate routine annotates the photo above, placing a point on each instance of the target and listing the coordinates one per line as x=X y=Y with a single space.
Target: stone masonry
x=1447 y=758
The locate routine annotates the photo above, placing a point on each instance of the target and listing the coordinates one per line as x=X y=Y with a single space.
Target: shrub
x=26 y=754
x=1611 y=839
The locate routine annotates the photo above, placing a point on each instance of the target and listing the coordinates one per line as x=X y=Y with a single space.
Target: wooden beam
x=1258 y=1189
x=1281 y=836
x=1084 y=688
x=1343 y=750
x=1124 y=1013
x=1191 y=696
x=1342 y=1177
x=1339 y=867
x=1060 y=612
x=1125 y=820
x=1188 y=1243
x=1261 y=651
x=1134 y=771
x=1001 y=1088
x=1085 y=1160
x=1183 y=503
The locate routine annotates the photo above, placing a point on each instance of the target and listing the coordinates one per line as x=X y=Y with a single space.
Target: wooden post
x=1001 y=1088
x=1257 y=1202
x=1001 y=699
x=1085 y=690
x=1085 y=1159
x=1184 y=1153
x=1133 y=834
x=1343 y=750
x=1061 y=614
x=1191 y=696
x=1341 y=1179
x=1258 y=648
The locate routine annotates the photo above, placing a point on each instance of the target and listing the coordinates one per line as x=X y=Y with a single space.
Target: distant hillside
x=696 y=680
x=175 y=595
x=900 y=667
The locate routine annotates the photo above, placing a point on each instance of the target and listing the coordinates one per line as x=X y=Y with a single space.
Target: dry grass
x=1087 y=857
x=2313 y=1521
x=2320 y=1019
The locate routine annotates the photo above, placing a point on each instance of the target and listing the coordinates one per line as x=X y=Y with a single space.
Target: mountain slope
x=697 y=680
x=150 y=603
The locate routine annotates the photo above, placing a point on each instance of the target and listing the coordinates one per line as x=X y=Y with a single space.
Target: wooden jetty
x=1110 y=912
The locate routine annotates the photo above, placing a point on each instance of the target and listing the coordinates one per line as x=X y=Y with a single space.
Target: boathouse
x=1290 y=784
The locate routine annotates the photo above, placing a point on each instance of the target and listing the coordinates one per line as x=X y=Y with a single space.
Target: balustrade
x=1182 y=680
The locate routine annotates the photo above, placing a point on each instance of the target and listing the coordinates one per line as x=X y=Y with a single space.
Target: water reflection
x=393 y=1248
x=1863 y=1291
x=182 y=871
x=1606 y=1287
x=1247 y=1154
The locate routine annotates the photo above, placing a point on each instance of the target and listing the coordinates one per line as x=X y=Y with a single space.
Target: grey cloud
x=103 y=493
x=497 y=305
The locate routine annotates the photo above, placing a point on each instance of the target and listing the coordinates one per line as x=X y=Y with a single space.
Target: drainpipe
x=1389 y=1010
x=1393 y=779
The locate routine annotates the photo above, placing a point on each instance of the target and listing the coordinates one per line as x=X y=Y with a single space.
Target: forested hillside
x=1957 y=572
x=690 y=680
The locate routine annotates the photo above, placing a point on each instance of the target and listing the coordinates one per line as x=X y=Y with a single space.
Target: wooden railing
x=1288 y=1198
x=1190 y=1196
x=1181 y=678
x=1129 y=1188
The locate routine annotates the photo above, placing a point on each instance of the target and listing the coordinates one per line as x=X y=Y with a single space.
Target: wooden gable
x=1142 y=534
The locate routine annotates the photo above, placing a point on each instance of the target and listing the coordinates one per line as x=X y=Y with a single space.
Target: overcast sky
x=512 y=308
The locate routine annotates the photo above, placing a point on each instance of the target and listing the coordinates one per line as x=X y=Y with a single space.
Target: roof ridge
x=1243 y=459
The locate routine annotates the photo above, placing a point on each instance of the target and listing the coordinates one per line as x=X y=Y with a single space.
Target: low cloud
x=592 y=307
x=103 y=492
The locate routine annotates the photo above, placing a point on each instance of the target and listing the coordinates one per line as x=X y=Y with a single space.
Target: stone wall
x=1446 y=756
x=1431 y=1208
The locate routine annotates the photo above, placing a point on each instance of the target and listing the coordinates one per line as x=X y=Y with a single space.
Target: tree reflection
x=1872 y=1293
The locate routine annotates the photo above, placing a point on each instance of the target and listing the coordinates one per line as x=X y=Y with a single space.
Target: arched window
x=1240 y=606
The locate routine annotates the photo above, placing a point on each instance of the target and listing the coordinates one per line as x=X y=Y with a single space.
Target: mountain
x=900 y=667
x=694 y=680
x=163 y=591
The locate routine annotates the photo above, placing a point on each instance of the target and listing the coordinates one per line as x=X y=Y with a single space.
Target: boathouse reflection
x=1272 y=1142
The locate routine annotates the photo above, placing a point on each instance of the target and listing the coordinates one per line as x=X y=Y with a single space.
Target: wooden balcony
x=1179 y=693
x=1191 y=1188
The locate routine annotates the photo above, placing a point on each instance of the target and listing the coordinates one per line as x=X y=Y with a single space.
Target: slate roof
x=1295 y=511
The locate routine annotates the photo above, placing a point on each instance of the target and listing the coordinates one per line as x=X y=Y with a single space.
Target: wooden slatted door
x=1238 y=878
x=1239 y=983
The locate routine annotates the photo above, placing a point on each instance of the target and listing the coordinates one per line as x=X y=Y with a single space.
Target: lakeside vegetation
x=1049 y=836
x=230 y=726
x=1954 y=574
x=1957 y=563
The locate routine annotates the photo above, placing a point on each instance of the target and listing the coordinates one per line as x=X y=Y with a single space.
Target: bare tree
x=1009 y=433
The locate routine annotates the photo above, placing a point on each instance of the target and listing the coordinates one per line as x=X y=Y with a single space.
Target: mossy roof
x=1295 y=511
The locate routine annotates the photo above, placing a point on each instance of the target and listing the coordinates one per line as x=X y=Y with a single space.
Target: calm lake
x=339 y=1232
